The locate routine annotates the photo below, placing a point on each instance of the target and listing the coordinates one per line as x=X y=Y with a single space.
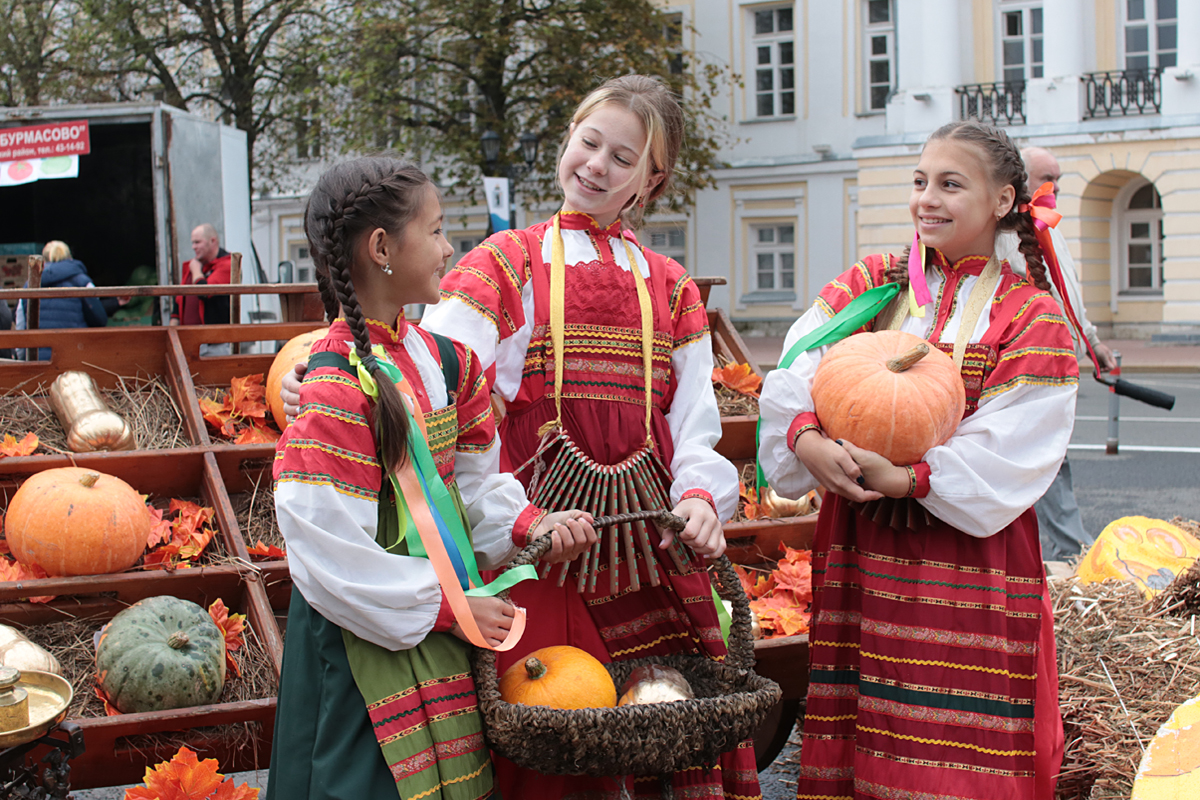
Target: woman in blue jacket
x=64 y=312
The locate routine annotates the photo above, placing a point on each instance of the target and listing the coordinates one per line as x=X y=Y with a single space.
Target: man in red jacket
x=210 y=266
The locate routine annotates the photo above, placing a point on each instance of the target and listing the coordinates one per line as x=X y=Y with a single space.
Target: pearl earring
x=387 y=269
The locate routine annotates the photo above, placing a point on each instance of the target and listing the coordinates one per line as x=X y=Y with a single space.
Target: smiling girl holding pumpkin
x=932 y=646
x=375 y=483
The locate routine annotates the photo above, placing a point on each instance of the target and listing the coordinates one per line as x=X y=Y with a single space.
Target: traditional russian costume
x=932 y=655
x=376 y=699
x=624 y=600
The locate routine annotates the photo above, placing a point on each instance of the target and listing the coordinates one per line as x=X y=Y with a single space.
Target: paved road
x=1157 y=471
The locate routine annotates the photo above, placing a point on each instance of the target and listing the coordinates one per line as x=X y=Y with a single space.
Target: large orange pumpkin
x=889 y=392
x=292 y=353
x=74 y=521
x=559 y=677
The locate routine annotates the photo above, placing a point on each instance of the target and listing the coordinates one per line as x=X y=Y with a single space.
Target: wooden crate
x=120 y=748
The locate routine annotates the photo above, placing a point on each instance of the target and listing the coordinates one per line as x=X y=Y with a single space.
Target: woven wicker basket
x=651 y=739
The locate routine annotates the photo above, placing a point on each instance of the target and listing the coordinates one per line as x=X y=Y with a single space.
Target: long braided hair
x=1007 y=168
x=352 y=199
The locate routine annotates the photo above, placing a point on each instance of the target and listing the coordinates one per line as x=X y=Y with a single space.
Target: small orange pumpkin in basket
x=559 y=677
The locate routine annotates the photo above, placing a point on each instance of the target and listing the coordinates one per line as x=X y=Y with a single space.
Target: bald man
x=211 y=265
x=1060 y=526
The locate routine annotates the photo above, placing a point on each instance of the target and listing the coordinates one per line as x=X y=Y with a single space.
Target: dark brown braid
x=1007 y=168
x=328 y=296
x=350 y=200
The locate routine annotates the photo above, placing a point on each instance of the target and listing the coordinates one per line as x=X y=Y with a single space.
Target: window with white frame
x=1021 y=41
x=773 y=55
x=773 y=248
x=299 y=255
x=879 y=51
x=1141 y=229
x=1151 y=33
x=670 y=241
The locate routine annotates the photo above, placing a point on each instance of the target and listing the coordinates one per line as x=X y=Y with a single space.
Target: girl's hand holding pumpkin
x=878 y=473
x=493 y=616
x=703 y=532
x=289 y=392
x=572 y=533
x=834 y=468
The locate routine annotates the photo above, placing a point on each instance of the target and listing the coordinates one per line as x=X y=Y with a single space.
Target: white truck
x=152 y=174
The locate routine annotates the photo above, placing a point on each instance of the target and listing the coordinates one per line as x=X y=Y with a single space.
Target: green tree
x=430 y=76
x=33 y=59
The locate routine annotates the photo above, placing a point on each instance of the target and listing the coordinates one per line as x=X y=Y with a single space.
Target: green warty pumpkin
x=160 y=653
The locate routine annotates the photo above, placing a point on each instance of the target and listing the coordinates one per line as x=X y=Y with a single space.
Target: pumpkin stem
x=178 y=640
x=903 y=362
x=535 y=668
x=89 y=479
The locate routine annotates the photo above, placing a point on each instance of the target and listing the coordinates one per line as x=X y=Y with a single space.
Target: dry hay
x=255 y=512
x=732 y=403
x=143 y=402
x=1125 y=663
x=72 y=643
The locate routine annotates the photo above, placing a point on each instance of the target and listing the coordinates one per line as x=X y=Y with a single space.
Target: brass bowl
x=49 y=697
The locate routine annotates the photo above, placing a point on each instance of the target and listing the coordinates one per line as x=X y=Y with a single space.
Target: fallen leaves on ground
x=261 y=552
x=232 y=627
x=181 y=534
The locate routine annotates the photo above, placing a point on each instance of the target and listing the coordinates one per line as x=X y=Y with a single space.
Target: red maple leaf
x=257 y=433
x=751 y=507
x=738 y=377
x=215 y=414
x=247 y=396
x=232 y=626
x=109 y=708
x=11 y=447
x=262 y=551
x=160 y=527
x=12 y=570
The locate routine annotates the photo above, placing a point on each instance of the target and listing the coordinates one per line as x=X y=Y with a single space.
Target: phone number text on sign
x=45 y=141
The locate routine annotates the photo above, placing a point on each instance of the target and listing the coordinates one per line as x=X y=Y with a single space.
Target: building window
x=462 y=246
x=299 y=256
x=1151 y=33
x=879 y=48
x=773 y=48
x=1021 y=41
x=1143 y=239
x=774 y=253
x=670 y=242
x=672 y=32
x=308 y=136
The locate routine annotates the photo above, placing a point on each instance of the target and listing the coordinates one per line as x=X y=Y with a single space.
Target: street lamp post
x=489 y=142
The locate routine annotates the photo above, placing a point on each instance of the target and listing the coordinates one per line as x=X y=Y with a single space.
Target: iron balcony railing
x=1127 y=92
x=995 y=103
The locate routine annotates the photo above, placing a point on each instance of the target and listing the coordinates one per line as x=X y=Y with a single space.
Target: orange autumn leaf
x=160 y=527
x=14 y=571
x=233 y=627
x=261 y=551
x=185 y=777
x=247 y=396
x=109 y=708
x=215 y=414
x=751 y=508
x=738 y=377
x=11 y=447
x=756 y=586
x=778 y=618
x=254 y=434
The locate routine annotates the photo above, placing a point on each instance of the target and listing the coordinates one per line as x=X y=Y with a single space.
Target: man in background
x=211 y=265
x=1060 y=526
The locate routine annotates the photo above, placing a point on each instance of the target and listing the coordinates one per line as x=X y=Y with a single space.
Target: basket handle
x=729 y=587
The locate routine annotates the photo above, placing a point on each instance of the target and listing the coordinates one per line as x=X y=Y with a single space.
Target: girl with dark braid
x=389 y=495
x=932 y=655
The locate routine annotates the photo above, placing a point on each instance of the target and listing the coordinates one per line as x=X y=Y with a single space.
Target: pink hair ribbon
x=918 y=289
x=1042 y=208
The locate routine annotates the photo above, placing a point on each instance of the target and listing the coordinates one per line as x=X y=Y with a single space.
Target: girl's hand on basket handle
x=833 y=466
x=493 y=616
x=289 y=392
x=703 y=532
x=572 y=533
